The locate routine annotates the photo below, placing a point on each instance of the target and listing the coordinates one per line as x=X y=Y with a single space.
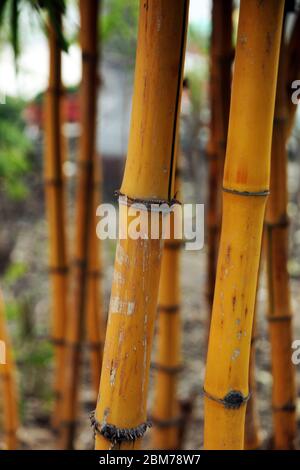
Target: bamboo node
x=148 y=203
x=172 y=245
x=55 y=182
x=282 y=318
x=58 y=91
x=166 y=369
x=263 y=193
x=58 y=270
x=117 y=435
x=284 y=222
x=57 y=341
x=168 y=308
x=232 y=401
x=167 y=423
x=289 y=407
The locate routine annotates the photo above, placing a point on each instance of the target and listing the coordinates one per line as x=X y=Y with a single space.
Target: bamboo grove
x=133 y=352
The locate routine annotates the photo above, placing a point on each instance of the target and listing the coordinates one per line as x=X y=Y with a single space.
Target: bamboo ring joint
x=233 y=400
x=117 y=435
x=263 y=193
x=166 y=369
x=149 y=204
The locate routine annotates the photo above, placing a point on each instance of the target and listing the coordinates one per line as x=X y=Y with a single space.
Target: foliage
x=119 y=20
x=14 y=148
x=10 y=13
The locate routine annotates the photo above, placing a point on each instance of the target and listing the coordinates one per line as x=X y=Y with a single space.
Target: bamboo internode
x=246 y=186
x=121 y=414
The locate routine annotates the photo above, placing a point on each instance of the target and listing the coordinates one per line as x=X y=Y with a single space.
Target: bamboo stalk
x=8 y=387
x=84 y=216
x=166 y=415
x=55 y=208
x=279 y=313
x=120 y=419
x=95 y=324
x=220 y=90
x=293 y=70
x=252 y=428
x=246 y=185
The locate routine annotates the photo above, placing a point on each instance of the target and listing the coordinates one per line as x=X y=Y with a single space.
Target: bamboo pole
x=220 y=90
x=55 y=208
x=120 y=418
x=279 y=312
x=293 y=70
x=84 y=216
x=95 y=323
x=8 y=387
x=252 y=428
x=166 y=416
x=246 y=185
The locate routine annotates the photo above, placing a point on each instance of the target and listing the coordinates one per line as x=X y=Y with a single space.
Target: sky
x=33 y=63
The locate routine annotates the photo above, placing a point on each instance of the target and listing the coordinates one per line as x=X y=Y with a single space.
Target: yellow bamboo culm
x=252 y=428
x=9 y=396
x=166 y=410
x=121 y=414
x=95 y=323
x=279 y=312
x=292 y=73
x=220 y=86
x=84 y=217
x=55 y=208
x=246 y=186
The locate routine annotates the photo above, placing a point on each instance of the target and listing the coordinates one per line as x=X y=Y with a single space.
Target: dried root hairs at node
x=233 y=400
x=117 y=435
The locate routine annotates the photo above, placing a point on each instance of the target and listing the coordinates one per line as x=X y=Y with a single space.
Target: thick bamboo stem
x=279 y=314
x=166 y=416
x=220 y=88
x=121 y=413
x=246 y=185
x=8 y=387
x=55 y=205
x=84 y=215
x=252 y=428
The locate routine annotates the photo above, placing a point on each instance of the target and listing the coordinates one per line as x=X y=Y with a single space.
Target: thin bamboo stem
x=149 y=175
x=8 y=387
x=95 y=323
x=279 y=313
x=166 y=416
x=292 y=73
x=84 y=216
x=246 y=184
x=55 y=208
x=220 y=90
